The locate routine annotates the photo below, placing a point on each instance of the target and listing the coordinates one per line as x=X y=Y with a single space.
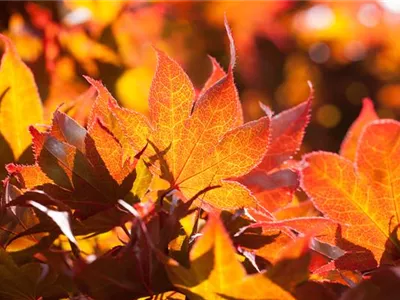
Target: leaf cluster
x=191 y=202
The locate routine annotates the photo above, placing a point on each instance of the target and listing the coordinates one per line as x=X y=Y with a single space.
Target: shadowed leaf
x=215 y=272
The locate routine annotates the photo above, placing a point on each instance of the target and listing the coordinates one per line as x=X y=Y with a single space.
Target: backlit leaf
x=287 y=132
x=367 y=115
x=82 y=168
x=20 y=102
x=362 y=196
x=273 y=182
x=217 y=74
x=198 y=144
x=215 y=272
x=132 y=128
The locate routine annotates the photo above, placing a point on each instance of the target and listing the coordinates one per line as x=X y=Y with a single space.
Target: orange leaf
x=322 y=228
x=171 y=100
x=100 y=107
x=105 y=153
x=131 y=128
x=363 y=197
x=287 y=132
x=272 y=182
x=198 y=144
x=293 y=262
x=79 y=167
x=31 y=176
x=20 y=102
x=217 y=74
x=278 y=236
x=367 y=115
x=302 y=209
x=273 y=190
x=237 y=152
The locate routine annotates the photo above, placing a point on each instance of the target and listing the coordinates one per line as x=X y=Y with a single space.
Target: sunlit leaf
x=20 y=103
x=362 y=196
x=197 y=144
x=273 y=182
x=82 y=168
x=215 y=271
x=348 y=148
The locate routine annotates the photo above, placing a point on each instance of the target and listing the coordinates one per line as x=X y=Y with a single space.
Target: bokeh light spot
x=328 y=116
x=391 y=5
x=355 y=50
x=389 y=95
x=319 y=52
x=368 y=15
x=355 y=92
x=320 y=16
x=78 y=16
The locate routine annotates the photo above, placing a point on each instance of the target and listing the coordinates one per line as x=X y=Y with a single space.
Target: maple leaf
x=133 y=271
x=362 y=196
x=131 y=128
x=215 y=272
x=297 y=209
x=278 y=234
x=293 y=262
x=198 y=143
x=83 y=168
x=273 y=181
x=17 y=115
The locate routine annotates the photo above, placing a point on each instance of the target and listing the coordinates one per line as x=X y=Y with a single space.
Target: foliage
x=190 y=202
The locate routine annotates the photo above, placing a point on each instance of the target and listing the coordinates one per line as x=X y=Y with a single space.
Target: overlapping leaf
x=362 y=196
x=272 y=182
x=83 y=169
x=27 y=282
x=197 y=143
x=133 y=270
x=215 y=272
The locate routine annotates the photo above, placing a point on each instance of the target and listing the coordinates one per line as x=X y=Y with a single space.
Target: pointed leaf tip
x=231 y=44
x=350 y=142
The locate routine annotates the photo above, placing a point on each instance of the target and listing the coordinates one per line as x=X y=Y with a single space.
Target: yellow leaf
x=20 y=101
x=216 y=273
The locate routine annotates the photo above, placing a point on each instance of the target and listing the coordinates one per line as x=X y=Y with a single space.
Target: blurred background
x=347 y=49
